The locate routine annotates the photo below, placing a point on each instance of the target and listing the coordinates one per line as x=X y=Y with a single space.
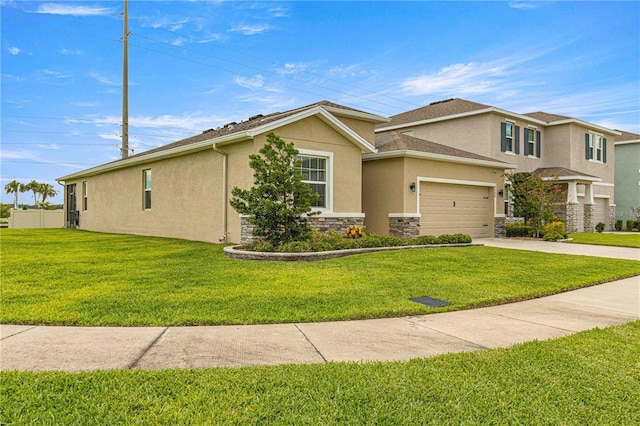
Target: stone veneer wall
x=589 y=217
x=322 y=224
x=612 y=218
x=500 y=225
x=571 y=218
x=404 y=227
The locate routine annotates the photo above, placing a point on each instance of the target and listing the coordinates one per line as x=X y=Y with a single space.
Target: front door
x=72 y=213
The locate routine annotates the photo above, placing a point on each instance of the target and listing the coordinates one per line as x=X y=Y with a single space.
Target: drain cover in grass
x=430 y=301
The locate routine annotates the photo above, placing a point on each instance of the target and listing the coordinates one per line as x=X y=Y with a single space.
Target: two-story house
x=579 y=153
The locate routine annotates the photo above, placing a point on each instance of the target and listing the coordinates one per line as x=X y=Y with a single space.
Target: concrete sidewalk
x=39 y=348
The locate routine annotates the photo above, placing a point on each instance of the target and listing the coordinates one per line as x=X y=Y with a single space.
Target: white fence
x=36 y=219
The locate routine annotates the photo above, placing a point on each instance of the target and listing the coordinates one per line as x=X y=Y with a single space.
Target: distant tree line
x=41 y=191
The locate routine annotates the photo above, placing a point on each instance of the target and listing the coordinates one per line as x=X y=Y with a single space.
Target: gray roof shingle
x=434 y=110
x=627 y=136
x=396 y=141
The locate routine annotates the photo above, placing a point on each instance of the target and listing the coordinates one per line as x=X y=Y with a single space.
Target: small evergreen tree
x=279 y=202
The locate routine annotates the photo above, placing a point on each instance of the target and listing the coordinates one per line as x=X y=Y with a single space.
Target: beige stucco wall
x=187 y=190
x=386 y=186
x=383 y=192
x=472 y=134
x=578 y=162
x=184 y=193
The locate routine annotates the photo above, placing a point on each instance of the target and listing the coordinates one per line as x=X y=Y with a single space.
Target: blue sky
x=194 y=65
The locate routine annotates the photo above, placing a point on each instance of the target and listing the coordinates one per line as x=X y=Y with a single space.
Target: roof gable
x=449 y=107
x=236 y=132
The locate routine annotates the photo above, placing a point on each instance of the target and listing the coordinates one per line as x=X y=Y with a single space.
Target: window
x=146 y=178
x=595 y=147
x=315 y=171
x=509 y=137
x=532 y=142
x=85 y=195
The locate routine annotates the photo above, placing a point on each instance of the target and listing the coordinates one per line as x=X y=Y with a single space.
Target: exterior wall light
x=412 y=187
x=501 y=193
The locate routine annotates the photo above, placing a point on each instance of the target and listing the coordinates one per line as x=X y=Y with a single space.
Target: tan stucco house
x=579 y=153
x=182 y=190
x=438 y=169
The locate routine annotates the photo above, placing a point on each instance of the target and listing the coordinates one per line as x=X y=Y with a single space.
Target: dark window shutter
x=538 y=143
x=586 y=146
x=604 y=150
x=503 y=137
x=517 y=139
x=526 y=141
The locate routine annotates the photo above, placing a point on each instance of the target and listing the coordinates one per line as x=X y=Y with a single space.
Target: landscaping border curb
x=234 y=252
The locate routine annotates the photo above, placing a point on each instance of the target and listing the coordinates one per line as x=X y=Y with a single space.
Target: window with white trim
x=509 y=136
x=595 y=147
x=531 y=141
x=315 y=173
x=85 y=195
x=146 y=196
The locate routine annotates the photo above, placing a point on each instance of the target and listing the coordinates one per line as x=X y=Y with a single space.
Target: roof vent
x=231 y=125
x=255 y=117
x=441 y=102
x=207 y=131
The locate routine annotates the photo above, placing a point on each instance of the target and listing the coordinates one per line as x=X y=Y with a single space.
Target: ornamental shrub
x=519 y=230
x=555 y=231
x=618 y=225
x=600 y=227
x=423 y=240
x=631 y=224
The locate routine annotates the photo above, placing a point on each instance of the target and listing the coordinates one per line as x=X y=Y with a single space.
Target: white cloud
x=179 y=41
x=14 y=50
x=459 y=79
x=350 y=71
x=104 y=80
x=73 y=10
x=269 y=102
x=254 y=83
x=210 y=38
x=292 y=68
x=251 y=29
x=86 y=104
x=72 y=52
x=522 y=5
x=279 y=12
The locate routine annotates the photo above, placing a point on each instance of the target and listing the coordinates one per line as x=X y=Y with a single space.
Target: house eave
x=438 y=157
x=155 y=156
x=462 y=115
x=584 y=124
x=629 y=142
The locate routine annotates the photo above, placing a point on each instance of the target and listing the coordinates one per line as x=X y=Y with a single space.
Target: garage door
x=453 y=209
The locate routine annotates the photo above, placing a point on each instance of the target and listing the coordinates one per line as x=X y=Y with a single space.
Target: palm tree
x=14 y=187
x=47 y=190
x=33 y=186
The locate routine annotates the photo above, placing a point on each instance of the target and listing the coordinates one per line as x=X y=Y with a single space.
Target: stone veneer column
x=572 y=217
x=405 y=227
x=589 y=217
x=612 y=217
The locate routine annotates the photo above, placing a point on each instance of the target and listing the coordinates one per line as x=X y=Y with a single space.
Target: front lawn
x=82 y=278
x=589 y=378
x=631 y=239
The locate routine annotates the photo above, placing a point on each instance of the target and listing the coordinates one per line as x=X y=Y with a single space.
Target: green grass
x=587 y=378
x=631 y=239
x=82 y=278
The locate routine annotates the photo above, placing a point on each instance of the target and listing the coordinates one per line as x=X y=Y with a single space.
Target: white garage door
x=453 y=209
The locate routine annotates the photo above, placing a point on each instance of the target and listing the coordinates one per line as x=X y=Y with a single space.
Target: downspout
x=224 y=192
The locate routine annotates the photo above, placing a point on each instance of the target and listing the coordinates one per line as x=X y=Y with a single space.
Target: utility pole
x=124 y=150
